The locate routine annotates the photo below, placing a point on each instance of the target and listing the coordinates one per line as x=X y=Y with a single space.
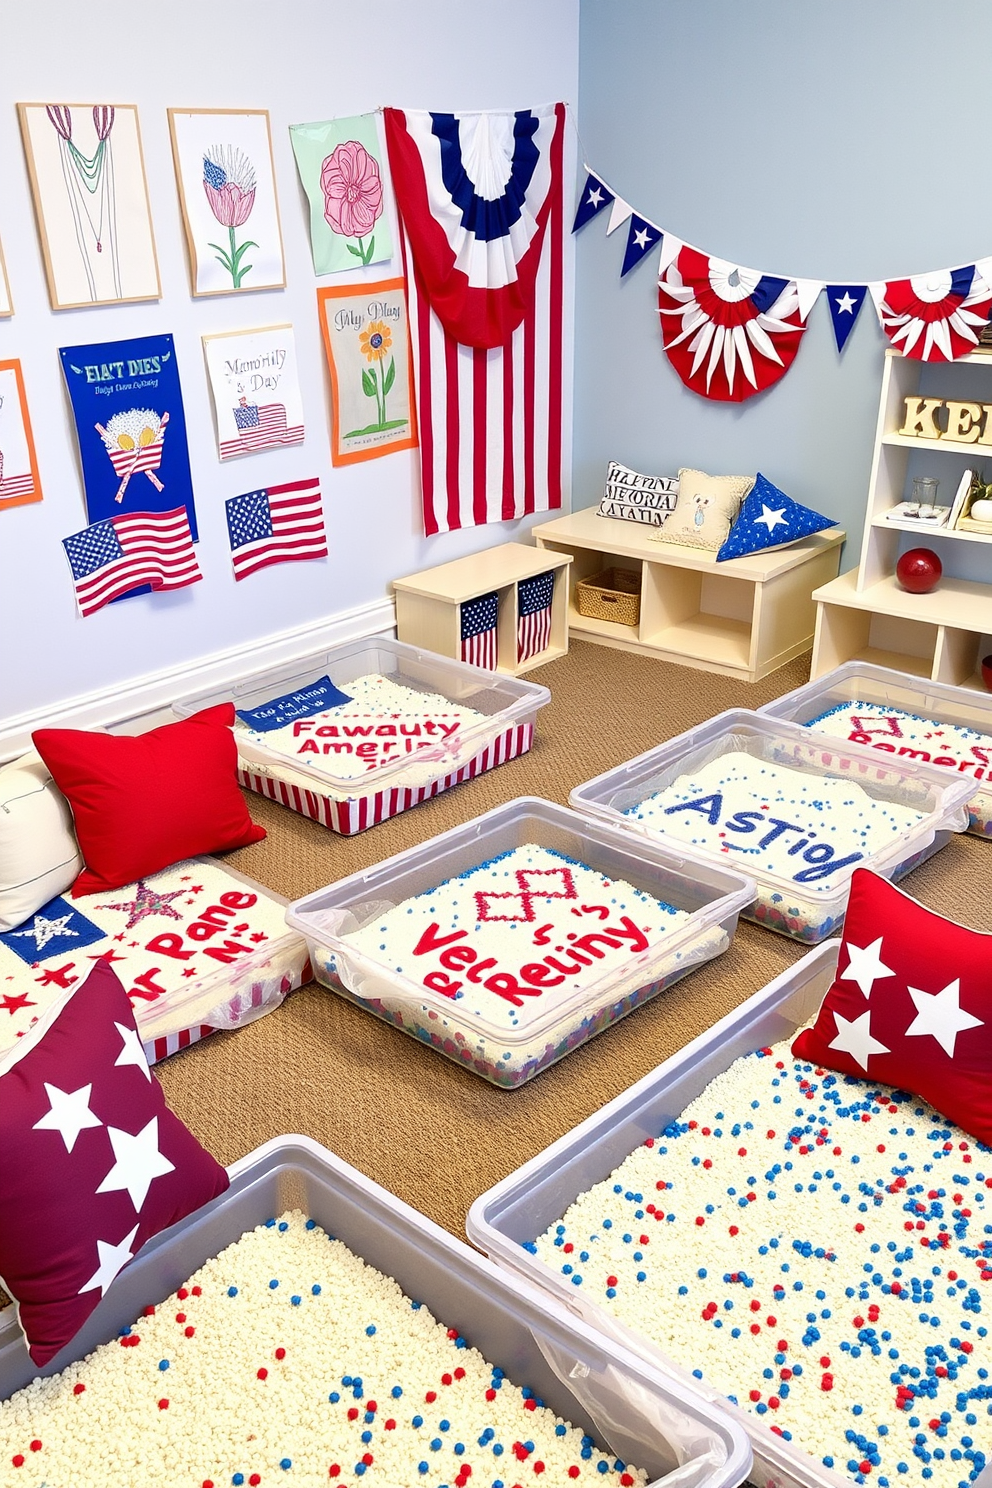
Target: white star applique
x=41 y=931
x=865 y=966
x=941 y=1015
x=595 y=197
x=845 y=304
x=771 y=519
x=138 y=1163
x=68 y=1113
x=132 y=1052
x=642 y=238
x=110 y=1260
x=855 y=1038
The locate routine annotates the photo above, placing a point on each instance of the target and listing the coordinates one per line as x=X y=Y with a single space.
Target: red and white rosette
x=729 y=332
x=935 y=317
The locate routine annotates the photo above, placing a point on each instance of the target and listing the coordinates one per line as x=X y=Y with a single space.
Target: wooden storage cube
x=614 y=594
x=959 y=657
x=847 y=634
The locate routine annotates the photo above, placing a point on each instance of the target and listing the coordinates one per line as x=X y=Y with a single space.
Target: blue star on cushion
x=770 y=519
x=54 y=930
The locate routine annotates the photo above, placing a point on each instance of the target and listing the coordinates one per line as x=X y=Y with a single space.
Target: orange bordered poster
x=367 y=340
x=20 y=482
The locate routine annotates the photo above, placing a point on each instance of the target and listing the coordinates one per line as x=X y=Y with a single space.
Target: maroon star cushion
x=911 y=1005
x=92 y=1161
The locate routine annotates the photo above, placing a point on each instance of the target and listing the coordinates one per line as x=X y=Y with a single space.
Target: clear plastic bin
x=805 y=912
x=626 y=1403
x=939 y=702
x=348 y=804
x=713 y=896
x=524 y=1204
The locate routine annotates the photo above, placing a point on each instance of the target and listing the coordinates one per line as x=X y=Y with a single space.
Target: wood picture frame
x=20 y=482
x=225 y=175
x=6 y=302
x=92 y=209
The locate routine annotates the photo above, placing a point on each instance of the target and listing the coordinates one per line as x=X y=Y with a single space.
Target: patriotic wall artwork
x=480 y=201
x=256 y=390
x=280 y=524
x=20 y=482
x=227 y=191
x=131 y=553
x=341 y=164
x=367 y=341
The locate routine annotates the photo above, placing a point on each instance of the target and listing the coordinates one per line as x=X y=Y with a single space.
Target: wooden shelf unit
x=428 y=604
x=742 y=618
x=865 y=615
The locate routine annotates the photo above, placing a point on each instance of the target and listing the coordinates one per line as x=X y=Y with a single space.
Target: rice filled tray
x=510 y=941
x=198 y=947
x=903 y=716
x=794 y=811
x=354 y=736
x=308 y=1328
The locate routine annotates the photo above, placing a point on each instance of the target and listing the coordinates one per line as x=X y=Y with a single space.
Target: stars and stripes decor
x=131 y=551
x=260 y=427
x=478 y=630
x=485 y=286
x=282 y=524
x=534 y=598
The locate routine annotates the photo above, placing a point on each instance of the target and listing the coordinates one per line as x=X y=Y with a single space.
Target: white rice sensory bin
x=834 y=1265
x=287 y=1359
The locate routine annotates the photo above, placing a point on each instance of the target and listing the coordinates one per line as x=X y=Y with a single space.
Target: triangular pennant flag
x=619 y=214
x=671 y=246
x=845 y=301
x=808 y=291
x=641 y=238
x=595 y=196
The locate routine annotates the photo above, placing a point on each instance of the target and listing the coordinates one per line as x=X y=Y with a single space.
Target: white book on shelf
x=960 y=497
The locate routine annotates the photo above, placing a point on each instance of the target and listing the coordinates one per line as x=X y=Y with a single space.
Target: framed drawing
x=227 y=191
x=6 y=303
x=91 y=200
x=367 y=341
x=256 y=389
x=19 y=479
x=341 y=170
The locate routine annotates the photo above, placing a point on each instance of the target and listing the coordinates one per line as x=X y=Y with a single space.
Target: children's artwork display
x=6 y=303
x=341 y=164
x=367 y=340
x=256 y=389
x=128 y=407
x=19 y=479
x=91 y=199
x=131 y=553
x=227 y=192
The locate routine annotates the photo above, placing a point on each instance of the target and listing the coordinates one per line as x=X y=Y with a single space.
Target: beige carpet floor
x=433 y=1133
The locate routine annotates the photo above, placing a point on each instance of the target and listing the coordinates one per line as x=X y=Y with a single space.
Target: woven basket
x=614 y=594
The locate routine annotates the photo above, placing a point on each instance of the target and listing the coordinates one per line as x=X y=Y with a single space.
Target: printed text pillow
x=707 y=505
x=911 y=1005
x=92 y=1162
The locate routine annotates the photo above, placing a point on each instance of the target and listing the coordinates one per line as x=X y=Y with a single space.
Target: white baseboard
x=139 y=700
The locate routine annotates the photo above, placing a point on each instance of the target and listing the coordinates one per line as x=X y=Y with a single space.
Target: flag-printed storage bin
x=351 y=763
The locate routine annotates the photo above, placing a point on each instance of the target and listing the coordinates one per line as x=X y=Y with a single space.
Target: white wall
x=303 y=60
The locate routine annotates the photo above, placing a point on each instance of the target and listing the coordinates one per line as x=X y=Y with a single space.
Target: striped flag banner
x=534 y=598
x=478 y=630
x=282 y=524
x=128 y=551
x=260 y=427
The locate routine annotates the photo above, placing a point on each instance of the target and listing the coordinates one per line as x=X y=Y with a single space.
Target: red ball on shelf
x=919 y=570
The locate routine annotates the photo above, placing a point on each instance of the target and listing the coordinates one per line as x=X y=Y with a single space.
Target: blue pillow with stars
x=769 y=519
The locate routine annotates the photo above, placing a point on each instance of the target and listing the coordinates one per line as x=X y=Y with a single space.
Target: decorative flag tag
x=317 y=698
x=595 y=196
x=641 y=238
x=845 y=301
x=935 y=317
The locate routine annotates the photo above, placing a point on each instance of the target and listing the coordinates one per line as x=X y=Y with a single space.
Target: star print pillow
x=911 y=1005
x=92 y=1161
x=770 y=519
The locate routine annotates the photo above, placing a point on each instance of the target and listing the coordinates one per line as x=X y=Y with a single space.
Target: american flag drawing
x=478 y=625
x=130 y=550
x=278 y=525
x=534 y=598
x=260 y=427
x=15 y=485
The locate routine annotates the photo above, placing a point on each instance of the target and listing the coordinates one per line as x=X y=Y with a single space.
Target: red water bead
x=965 y=1346
x=370 y=1405
x=180 y=1317
x=700 y=1220
x=941 y=1371
x=865 y=1466
x=824 y=1361
x=18 y=1459
x=755 y=1328
x=255 y=1479
x=649 y=1142
x=626 y=1480
x=78 y=1388
x=368 y=1459
x=182 y=1294
x=446 y=1379
x=431 y=1396
x=36 y=1445
x=782 y=1345
x=769 y=1134
x=836 y=1152
x=705 y=1131
x=530 y=1405
x=263 y=1373
x=573 y=1472
x=197 y=1291
x=771 y=1321
x=858 y=1321
x=692 y=1125
x=859 y=1229
x=707 y=1162
x=280 y=1353
x=659 y=1214
x=896 y=1288
x=568 y=1247
x=827 y=1382
x=742 y=1152
x=490 y=1394
x=773 y=1402
x=755 y=1395
x=353 y=1413
x=751 y=1197
x=334 y=1471
x=645 y=1240
x=148 y=1312
x=661 y=1184
x=188 y=1332
x=734 y=1230
x=611 y=1281
x=755 y=1305
x=390 y=1424
x=208 y=1483
x=785 y=1374
x=538 y=1467
x=163 y=1405
x=880 y=1148
x=459 y=1373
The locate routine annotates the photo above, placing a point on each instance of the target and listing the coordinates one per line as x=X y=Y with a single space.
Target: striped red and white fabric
x=126 y=551
x=283 y=524
x=490 y=410
x=267 y=429
x=534 y=601
x=16 y=485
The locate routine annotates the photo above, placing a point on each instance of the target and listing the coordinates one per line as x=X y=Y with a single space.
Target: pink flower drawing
x=229 y=184
x=352 y=187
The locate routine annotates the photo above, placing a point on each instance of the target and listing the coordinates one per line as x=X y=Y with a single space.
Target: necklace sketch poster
x=128 y=407
x=91 y=200
x=256 y=390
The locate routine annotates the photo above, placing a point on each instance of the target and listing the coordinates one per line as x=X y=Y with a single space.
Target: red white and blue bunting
x=731 y=332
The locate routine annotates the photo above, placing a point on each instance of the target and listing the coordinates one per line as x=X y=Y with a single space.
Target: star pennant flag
x=595 y=196
x=128 y=551
x=935 y=317
x=283 y=524
x=845 y=301
x=642 y=236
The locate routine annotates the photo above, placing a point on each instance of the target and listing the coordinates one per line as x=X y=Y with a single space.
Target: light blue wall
x=846 y=139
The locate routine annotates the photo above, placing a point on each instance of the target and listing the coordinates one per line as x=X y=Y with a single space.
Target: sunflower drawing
x=376 y=341
x=375 y=344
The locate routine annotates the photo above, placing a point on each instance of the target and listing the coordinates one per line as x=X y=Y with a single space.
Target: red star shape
x=109 y=956
x=14 y=1004
x=57 y=976
x=196 y=888
x=258 y=935
x=119 y=937
x=189 y=971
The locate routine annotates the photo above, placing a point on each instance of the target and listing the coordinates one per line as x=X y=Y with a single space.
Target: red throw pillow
x=911 y=1005
x=141 y=803
x=92 y=1162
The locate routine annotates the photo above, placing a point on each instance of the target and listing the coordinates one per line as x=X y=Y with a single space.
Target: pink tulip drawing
x=352 y=187
x=229 y=184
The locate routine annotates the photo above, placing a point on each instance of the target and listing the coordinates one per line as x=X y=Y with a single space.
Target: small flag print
x=283 y=524
x=534 y=598
x=478 y=629
x=129 y=551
